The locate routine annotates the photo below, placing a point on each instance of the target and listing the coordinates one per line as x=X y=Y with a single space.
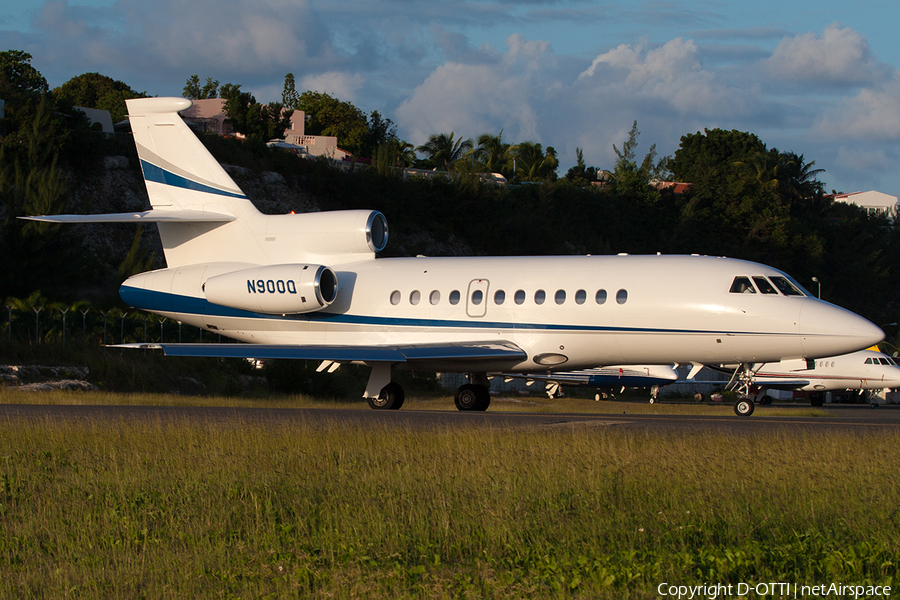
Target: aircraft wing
x=147 y=216
x=464 y=353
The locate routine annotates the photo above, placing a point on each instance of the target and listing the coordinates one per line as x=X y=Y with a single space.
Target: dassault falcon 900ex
x=308 y=286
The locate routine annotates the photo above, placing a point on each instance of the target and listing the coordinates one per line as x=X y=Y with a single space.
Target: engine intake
x=275 y=289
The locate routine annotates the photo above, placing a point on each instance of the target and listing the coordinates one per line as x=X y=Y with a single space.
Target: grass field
x=171 y=509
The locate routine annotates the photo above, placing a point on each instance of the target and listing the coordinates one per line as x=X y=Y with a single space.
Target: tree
x=21 y=86
x=18 y=77
x=381 y=131
x=93 y=90
x=708 y=160
x=629 y=177
x=492 y=153
x=326 y=115
x=259 y=121
x=31 y=184
x=193 y=90
x=289 y=96
x=533 y=164
x=581 y=173
x=445 y=150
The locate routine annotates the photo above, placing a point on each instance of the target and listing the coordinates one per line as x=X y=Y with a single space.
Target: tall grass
x=171 y=509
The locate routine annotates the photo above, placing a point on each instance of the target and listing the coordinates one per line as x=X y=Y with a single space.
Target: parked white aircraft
x=605 y=378
x=308 y=286
x=862 y=370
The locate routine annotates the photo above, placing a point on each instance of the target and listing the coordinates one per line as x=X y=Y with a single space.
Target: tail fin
x=182 y=177
x=179 y=171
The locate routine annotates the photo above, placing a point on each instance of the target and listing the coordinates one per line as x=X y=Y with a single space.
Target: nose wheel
x=742 y=381
x=744 y=407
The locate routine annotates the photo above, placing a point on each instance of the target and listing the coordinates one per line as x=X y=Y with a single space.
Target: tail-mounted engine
x=275 y=289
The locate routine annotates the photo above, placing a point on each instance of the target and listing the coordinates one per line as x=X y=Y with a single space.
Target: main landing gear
x=390 y=398
x=471 y=396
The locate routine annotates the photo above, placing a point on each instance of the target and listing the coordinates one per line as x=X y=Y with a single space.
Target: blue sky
x=819 y=78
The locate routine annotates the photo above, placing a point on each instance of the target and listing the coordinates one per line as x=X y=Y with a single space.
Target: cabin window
x=499 y=297
x=454 y=297
x=560 y=297
x=477 y=297
x=600 y=297
x=415 y=297
x=435 y=297
x=580 y=297
x=622 y=296
x=395 y=297
x=540 y=296
x=742 y=285
x=764 y=286
x=786 y=287
x=520 y=297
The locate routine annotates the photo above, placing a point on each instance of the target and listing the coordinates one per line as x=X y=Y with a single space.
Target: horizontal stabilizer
x=400 y=353
x=147 y=216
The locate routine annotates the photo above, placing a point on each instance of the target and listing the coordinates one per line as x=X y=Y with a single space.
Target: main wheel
x=817 y=398
x=743 y=407
x=472 y=397
x=390 y=398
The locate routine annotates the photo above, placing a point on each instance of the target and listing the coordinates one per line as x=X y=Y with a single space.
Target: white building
x=875 y=203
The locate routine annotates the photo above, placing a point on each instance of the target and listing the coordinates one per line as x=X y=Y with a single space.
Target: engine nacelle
x=329 y=233
x=275 y=289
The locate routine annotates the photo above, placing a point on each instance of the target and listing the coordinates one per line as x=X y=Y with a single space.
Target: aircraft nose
x=829 y=330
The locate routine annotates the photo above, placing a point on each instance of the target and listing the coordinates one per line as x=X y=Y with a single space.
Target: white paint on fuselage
x=678 y=309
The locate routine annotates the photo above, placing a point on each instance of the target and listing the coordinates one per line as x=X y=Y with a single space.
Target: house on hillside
x=209 y=115
x=875 y=203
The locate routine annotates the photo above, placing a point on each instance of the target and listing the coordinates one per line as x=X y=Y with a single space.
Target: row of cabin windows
x=742 y=285
x=540 y=296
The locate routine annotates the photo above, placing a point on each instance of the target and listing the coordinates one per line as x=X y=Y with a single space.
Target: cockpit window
x=884 y=361
x=869 y=361
x=764 y=286
x=742 y=285
x=786 y=287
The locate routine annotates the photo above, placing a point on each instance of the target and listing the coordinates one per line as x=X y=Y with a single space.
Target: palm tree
x=491 y=152
x=532 y=164
x=444 y=150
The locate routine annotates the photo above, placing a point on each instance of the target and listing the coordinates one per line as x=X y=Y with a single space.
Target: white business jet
x=308 y=286
x=865 y=370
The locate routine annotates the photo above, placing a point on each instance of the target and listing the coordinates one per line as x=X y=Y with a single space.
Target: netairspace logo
x=716 y=591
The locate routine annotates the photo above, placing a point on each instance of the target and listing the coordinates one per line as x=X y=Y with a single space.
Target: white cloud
x=873 y=114
x=839 y=56
x=473 y=99
x=671 y=74
x=341 y=85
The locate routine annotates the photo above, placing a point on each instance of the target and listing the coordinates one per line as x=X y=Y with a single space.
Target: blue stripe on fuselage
x=160 y=175
x=154 y=301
